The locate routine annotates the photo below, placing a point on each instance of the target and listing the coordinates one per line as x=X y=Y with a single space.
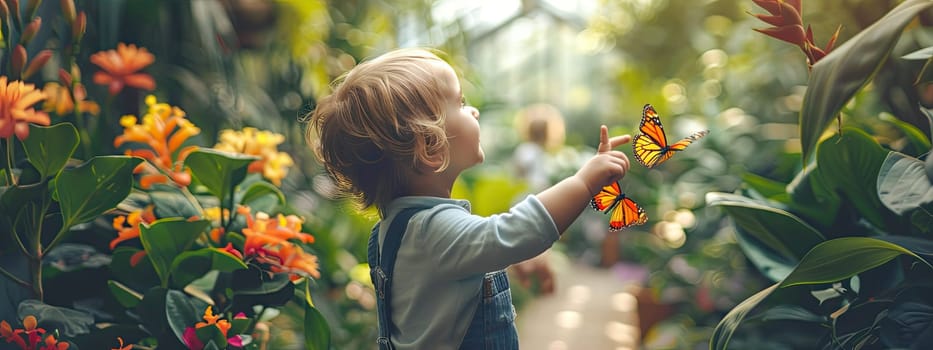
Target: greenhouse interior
x=173 y=177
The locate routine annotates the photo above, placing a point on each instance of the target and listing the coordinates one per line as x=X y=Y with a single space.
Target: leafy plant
x=846 y=242
x=169 y=245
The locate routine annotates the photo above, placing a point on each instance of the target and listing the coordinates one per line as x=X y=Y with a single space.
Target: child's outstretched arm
x=567 y=199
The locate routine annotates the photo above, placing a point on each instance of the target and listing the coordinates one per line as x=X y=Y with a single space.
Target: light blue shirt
x=443 y=257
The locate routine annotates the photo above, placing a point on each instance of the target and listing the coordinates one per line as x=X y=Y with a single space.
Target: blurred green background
x=235 y=63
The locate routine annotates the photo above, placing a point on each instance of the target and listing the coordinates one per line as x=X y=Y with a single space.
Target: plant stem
x=36 y=266
x=13 y=277
x=19 y=242
x=9 y=161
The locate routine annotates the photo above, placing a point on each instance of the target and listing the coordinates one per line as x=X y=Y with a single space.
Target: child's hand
x=567 y=199
x=608 y=165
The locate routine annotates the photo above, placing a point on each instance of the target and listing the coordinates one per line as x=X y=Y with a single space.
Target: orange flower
x=127 y=347
x=133 y=220
x=120 y=68
x=53 y=344
x=30 y=329
x=59 y=100
x=163 y=129
x=16 y=108
x=211 y=319
x=268 y=241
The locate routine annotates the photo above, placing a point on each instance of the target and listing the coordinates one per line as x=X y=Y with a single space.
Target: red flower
x=786 y=17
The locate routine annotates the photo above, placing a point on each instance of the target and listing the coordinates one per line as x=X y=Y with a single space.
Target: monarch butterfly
x=624 y=211
x=650 y=146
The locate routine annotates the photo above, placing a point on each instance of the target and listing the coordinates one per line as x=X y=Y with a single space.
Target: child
x=396 y=132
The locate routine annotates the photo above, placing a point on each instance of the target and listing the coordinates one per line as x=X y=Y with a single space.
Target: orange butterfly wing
x=650 y=146
x=606 y=198
x=624 y=212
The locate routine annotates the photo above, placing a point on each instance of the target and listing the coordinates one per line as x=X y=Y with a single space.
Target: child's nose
x=474 y=112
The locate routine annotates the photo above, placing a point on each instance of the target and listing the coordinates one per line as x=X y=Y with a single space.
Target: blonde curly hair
x=384 y=117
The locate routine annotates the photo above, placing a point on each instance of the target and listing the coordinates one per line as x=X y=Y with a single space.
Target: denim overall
x=492 y=327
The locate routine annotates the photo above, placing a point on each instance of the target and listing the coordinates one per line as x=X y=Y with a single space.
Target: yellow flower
x=59 y=100
x=16 y=108
x=163 y=129
x=251 y=141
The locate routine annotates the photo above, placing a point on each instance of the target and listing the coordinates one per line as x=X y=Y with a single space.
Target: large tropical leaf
x=849 y=164
x=779 y=230
x=844 y=71
x=50 y=147
x=902 y=183
x=841 y=258
x=94 y=188
x=830 y=261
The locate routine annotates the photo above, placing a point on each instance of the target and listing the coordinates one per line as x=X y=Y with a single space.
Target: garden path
x=592 y=308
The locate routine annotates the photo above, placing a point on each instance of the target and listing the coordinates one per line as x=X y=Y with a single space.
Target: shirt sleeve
x=465 y=244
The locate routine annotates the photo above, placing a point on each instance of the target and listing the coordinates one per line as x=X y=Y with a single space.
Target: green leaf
x=94 y=188
x=769 y=263
x=922 y=54
x=767 y=187
x=902 y=183
x=830 y=261
x=182 y=312
x=124 y=295
x=219 y=171
x=165 y=239
x=849 y=163
x=151 y=311
x=141 y=276
x=811 y=198
x=916 y=139
x=928 y=164
x=48 y=148
x=779 y=230
x=844 y=71
x=261 y=189
x=841 y=258
x=68 y=322
x=317 y=332
x=169 y=204
x=790 y=313
x=212 y=335
x=191 y=265
x=729 y=323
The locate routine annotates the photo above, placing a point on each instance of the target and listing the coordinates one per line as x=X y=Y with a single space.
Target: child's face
x=462 y=123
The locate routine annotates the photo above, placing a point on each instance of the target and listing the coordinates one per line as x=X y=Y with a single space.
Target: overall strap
x=381 y=267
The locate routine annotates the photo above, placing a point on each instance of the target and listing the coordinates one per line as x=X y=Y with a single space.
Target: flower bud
x=79 y=27
x=4 y=12
x=37 y=63
x=30 y=31
x=18 y=61
x=14 y=8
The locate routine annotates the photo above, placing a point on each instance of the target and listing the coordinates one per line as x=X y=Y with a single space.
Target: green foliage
x=837 y=77
x=146 y=235
x=865 y=208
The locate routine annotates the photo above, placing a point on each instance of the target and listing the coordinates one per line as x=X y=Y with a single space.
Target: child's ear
x=434 y=162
